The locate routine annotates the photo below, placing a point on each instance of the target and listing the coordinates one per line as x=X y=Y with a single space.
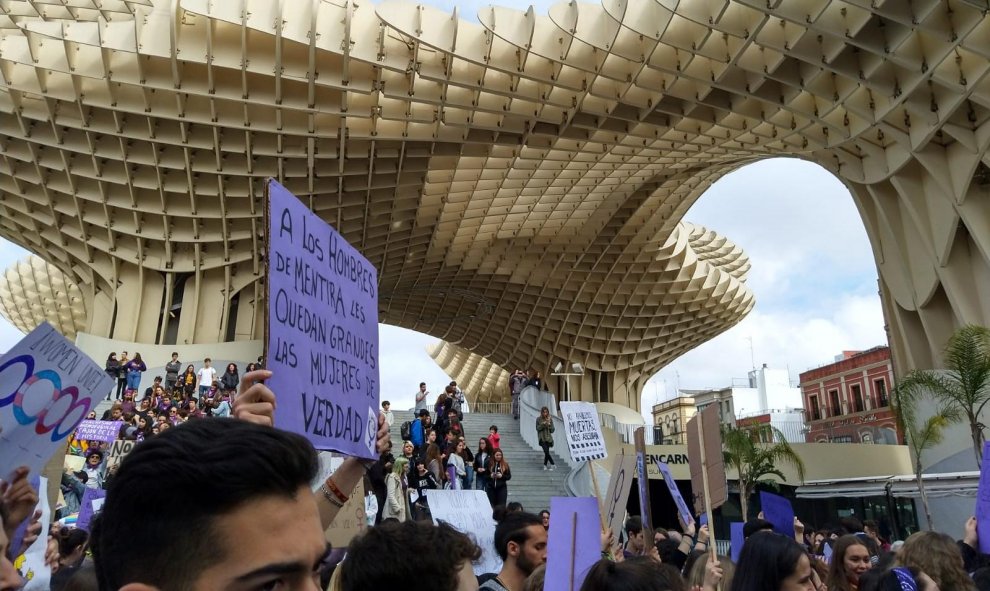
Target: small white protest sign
x=469 y=512
x=583 y=431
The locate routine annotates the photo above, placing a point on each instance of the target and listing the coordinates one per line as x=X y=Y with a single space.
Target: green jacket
x=544 y=431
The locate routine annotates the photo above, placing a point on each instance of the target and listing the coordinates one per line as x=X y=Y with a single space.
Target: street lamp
x=576 y=369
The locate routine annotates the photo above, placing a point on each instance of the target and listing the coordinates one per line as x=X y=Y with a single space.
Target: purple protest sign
x=675 y=492
x=737 y=539
x=322 y=344
x=778 y=511
x=573 y=545
x=90 y=430
x=92 y=502
x=47 y=387
x=983 y=502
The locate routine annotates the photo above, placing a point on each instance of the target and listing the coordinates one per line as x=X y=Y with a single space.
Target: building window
x=816 y=413
x=857 y=393
x=881 y=387
x=842 y=439
x=833 y=396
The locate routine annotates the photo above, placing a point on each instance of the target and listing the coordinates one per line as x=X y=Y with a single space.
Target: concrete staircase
x=530 y=484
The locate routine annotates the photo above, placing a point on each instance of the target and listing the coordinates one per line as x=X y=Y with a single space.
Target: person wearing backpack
x=417 y=431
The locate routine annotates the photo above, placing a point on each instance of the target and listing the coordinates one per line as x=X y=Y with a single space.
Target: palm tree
x=963 y=388
x=921 y=436
x=754 y=462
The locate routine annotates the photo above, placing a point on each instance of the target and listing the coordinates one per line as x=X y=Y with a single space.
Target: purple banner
x=322 y=330
x=47 y=387
x=983 y=502
x=778 y=511
x=91 y=503
x=736 y=535
x=675 y=492
x=90 y=430
x=573 y=545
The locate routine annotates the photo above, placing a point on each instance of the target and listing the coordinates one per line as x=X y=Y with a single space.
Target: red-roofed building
x=849 y=401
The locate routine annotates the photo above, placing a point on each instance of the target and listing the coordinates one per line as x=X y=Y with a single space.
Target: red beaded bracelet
x=336 y=490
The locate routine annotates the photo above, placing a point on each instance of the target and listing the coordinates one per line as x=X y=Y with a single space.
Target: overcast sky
x=813 y=275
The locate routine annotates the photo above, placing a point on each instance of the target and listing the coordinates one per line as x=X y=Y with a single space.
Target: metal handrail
x=501 y=408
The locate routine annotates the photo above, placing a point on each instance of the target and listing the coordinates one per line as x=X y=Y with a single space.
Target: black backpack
x=405 y=430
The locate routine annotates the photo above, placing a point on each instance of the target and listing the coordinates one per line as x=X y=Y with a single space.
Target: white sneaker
x=553 y=467
x=544 y=467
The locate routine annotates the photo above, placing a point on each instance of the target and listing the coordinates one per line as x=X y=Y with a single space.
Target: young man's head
x=521 y=542
x=422 y=386
x=634 y=530
x=206 y=362
x=414 y=556
x=175 y=356
x=249 y=518
x=386 y=405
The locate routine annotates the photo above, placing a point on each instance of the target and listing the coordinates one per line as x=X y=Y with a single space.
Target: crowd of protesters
x=436 y=454
x=249 y=521
x=180 y=396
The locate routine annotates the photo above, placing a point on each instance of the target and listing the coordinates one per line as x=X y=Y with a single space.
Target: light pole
x=575 y=370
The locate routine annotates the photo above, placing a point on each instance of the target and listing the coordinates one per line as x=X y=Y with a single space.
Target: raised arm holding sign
x=322 y=330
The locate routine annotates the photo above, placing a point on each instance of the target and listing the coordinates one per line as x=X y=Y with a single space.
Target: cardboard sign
x=47 y=387
x=708 y=464
x=737 y=539
x=643 y=480
x=469 y=512
x=682 y=508
x=119 y=449
x=778 y=511
x=350 y=520
x=617 y=495
x=983 y=502
x=37 y=573
x=91 y=430
x=91 y=504
x=574 y=545
x=322 y=330
x=583 y=431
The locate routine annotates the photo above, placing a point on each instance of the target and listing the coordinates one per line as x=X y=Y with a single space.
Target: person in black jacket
x=230 y=379
x=422 y=480
x=112 y=369
x=498 y=470
x=376 y=474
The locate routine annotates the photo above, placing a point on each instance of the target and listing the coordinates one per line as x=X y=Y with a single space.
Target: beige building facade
x=519 y=182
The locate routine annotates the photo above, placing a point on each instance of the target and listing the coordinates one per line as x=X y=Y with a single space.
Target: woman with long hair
x=189 y=381
x=135 y=367
x=230 y=379
x=112 y=369
x=395 y=495
x=433 y=461
x=772 y=562
x=544 y=434
x=938 y=556
x=456 y=460
x=850 y=559
x=481 y=478
x=498 y=470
